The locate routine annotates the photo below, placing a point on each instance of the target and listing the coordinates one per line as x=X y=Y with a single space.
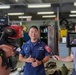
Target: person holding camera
x=5 y=52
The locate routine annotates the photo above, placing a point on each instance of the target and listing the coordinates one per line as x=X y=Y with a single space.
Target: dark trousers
x=74 y=72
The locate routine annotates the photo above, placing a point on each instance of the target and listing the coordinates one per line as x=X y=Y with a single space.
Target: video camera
x=10 y=34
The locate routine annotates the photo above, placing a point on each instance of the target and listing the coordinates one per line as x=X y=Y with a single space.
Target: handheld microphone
x=48 y=49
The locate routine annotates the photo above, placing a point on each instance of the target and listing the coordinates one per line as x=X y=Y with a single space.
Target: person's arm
x=66 y=59
x=0 y=61
x=23 y=59
x=7 y=49
x=45 y=59
x=8 y=46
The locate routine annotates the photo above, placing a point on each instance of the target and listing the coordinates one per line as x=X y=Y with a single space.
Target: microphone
x=48 y=49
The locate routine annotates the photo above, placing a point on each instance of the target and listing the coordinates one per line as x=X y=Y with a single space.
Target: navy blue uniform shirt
x=37 y=51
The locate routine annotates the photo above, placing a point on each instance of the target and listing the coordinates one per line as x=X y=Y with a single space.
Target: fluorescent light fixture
x=48 y=16
x=25 y=17
x=41 y=5
x=15 y=13
x=4 y=6
x=45 y=12
x=16 y=0
x=73 y=11
x=72 y=15
x=74 y=3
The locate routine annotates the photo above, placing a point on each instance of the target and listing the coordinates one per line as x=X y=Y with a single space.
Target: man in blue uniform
x=36 y=54
x=70 y=58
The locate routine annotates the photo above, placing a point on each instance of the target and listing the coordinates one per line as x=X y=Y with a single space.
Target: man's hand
x=36 y=63
x=55 y=57
x=30 y=59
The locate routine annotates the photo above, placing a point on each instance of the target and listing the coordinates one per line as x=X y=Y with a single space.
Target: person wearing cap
x=34 y=53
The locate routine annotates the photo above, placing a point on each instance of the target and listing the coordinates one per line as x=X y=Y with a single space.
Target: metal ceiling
x=65 y=6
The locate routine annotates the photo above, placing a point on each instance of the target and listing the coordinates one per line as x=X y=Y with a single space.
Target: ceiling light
x=4 y=6
x=45 y=12
x=16 y=0
x=42 y=5
x=48 y=16
x=15 y=13
x=25 y=17
x=73 y=11
x=72 y=15
x=74 y=3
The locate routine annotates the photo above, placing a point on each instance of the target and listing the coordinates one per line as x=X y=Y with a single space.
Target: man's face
x=33 y=33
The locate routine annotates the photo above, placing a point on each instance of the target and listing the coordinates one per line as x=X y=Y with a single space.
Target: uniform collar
x=38 y=42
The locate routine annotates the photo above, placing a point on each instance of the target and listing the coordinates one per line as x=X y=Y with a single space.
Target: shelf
x=43 y=38
x=44 y=34
x=45 y=41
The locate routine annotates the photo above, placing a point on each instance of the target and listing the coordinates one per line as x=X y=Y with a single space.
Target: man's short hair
x=34 y=27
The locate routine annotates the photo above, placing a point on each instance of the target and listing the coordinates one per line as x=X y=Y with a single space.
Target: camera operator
x=6 y=51
x=8 y=48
